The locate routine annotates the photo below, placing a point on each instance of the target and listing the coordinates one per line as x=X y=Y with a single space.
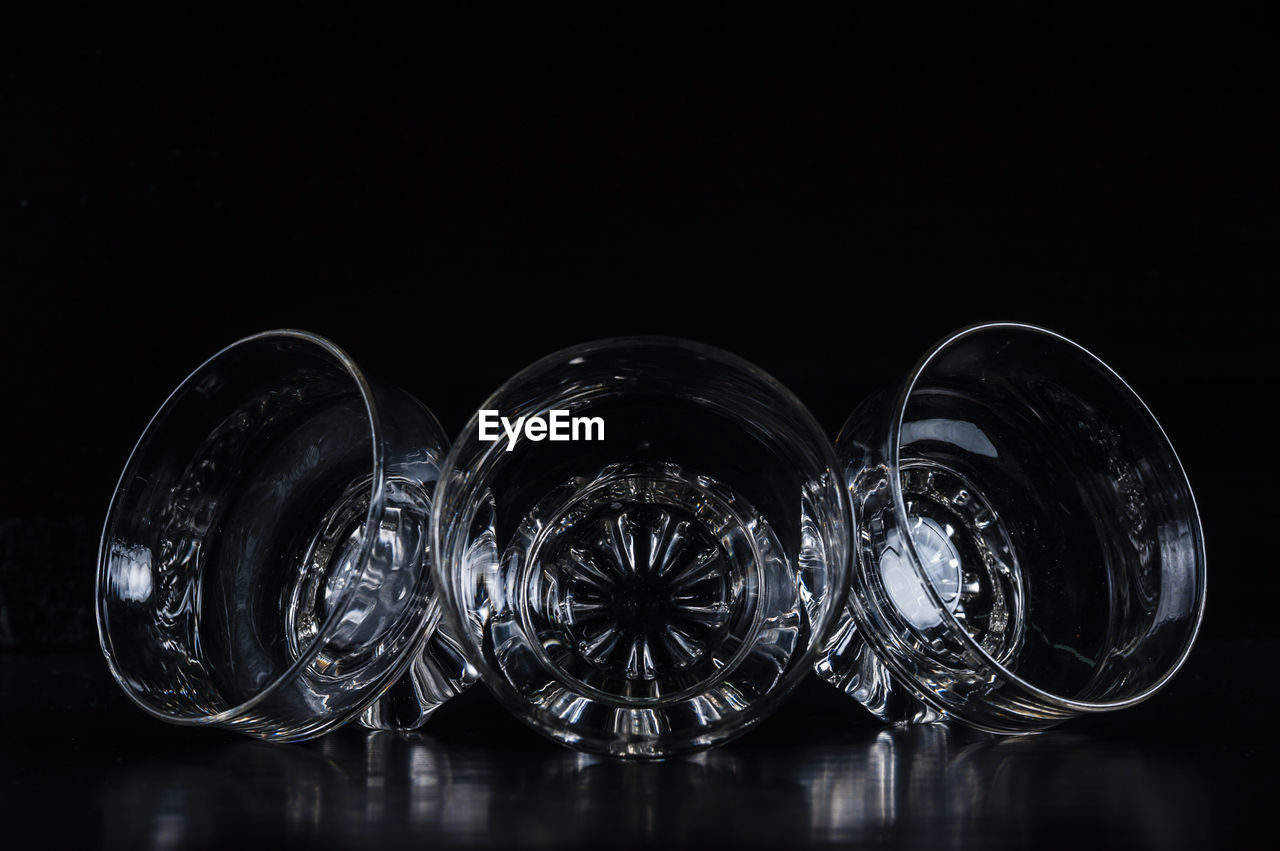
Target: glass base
x=439 y=673
x=649 y=605
x=970 y=561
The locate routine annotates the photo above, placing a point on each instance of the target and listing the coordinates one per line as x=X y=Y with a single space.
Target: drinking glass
x=655 y=586
x=264 y=562
x=1028 y=546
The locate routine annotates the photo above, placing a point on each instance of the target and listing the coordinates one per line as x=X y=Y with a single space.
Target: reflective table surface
x=81 y=767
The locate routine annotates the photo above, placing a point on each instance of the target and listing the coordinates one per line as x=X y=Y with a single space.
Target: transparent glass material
x=1028 y=545
x=263 y=565
x=661 y=589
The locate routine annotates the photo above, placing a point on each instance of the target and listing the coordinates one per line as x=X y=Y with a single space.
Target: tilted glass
x=1028 y=544
x=264 y=561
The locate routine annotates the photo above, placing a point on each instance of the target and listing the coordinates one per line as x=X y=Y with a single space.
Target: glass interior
x=1051 y=515
x=240 y=526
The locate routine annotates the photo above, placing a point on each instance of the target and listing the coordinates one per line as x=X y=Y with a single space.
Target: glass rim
x=449 y=469
x=908 y=388
x=326 y=629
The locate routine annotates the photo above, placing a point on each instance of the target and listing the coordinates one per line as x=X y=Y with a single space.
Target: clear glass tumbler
x=264 y=562
x=1028 y=545
x=654 y=586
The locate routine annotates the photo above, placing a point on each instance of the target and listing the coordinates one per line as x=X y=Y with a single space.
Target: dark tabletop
x=84 y=768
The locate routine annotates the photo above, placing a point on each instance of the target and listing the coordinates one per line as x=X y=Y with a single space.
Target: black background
x=451 y=194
